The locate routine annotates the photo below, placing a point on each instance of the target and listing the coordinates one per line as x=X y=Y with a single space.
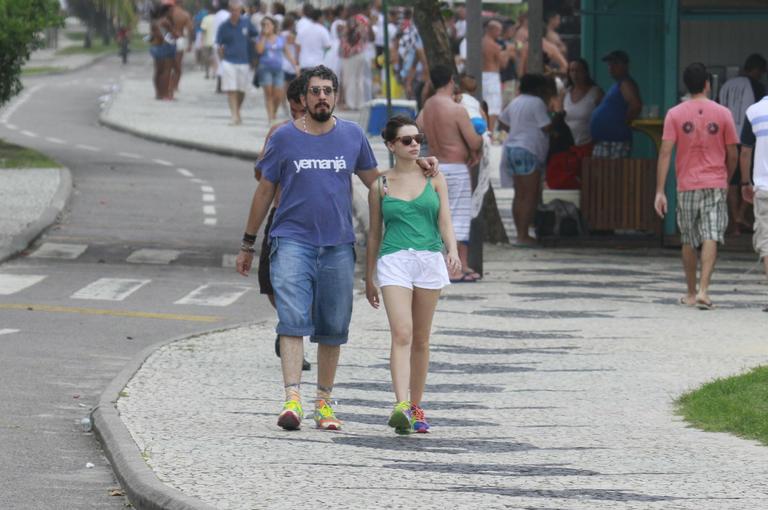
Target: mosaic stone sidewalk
x=552 y=385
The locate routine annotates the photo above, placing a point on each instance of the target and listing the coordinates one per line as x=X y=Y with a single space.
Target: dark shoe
x=305 y=365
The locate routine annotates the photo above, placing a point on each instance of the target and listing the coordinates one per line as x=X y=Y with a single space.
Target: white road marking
x=162 y=162
x=197 y=181
x=151 y=256
x=89 y=148
x=23 y=98
x=210 y=221
x=55 y=140
x=209 y=197
x=206 y=189
x=209 y=210
x=7 y=331
x=12 y=127
x=185 y=172
x=129 y=155
x=228 y=260
x=29 y=134
x=214 y=294
x=13 y=283
x=59 y=251
x=110 y=289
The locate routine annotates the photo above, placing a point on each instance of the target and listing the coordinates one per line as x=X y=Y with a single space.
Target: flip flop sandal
x=465 y=278
x=703 y=305
x=681 y=301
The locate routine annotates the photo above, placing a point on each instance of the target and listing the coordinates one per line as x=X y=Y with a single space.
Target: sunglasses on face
x=315 y=91
x=409 y=139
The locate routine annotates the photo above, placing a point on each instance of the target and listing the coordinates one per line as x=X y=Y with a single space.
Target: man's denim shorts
x=162 y=51
x=313 y=289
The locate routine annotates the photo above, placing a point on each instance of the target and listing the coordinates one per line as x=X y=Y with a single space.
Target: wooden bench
x=618 y=194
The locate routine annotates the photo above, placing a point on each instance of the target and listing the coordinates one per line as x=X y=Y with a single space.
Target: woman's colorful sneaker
x=419 y=422
x=400 y=419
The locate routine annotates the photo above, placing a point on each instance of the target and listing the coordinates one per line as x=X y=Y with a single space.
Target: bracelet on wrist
x=249 y=238
x=248 y=248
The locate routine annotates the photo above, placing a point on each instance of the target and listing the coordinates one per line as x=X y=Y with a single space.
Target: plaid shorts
x=612 y=150
x=702 y=215
x=760 y=239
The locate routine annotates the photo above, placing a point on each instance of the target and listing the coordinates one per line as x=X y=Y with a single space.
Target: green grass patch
x=738 y=405
x=32 y=71
x=97 y=46
x=15 y=156
x=75 y=36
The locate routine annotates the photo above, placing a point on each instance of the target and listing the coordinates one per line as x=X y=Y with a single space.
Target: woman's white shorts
x=412 y=268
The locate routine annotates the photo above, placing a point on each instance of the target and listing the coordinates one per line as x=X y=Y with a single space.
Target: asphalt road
x=139 y=257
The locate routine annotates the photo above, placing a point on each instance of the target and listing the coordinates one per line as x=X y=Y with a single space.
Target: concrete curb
x=142 y=487
x=214 y=149
x=50 y=215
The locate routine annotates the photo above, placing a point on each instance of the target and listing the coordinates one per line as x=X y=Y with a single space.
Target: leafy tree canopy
x=21 y=22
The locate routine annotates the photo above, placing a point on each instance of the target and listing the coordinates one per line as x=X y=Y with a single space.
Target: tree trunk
x=429 y=22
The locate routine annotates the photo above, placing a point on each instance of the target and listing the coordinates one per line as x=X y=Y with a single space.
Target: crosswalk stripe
x=209 y=197
x=162 y=162
x=130 y=155
x=185 y=172
x=7 y=331
x=12 y=283
x=206 y=189
x=89 y=148
x=152 y=256
x=59 y=251
x=29 y=134
x=209 y=210
x=210 y=221
x=110 y=289
x=58 y=141
x=214 y=294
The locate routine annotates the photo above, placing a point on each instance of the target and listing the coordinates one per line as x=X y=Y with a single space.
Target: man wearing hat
x=610 y=124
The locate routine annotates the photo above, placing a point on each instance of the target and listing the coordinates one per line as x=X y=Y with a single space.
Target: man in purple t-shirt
x=312 y=256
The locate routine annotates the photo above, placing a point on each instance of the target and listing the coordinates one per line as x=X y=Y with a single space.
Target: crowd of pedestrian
x=547 y=123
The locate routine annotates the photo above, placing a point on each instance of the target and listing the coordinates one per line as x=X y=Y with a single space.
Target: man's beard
x=321 y=116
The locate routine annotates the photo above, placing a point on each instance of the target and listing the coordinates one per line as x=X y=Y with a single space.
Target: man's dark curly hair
x=321 y=72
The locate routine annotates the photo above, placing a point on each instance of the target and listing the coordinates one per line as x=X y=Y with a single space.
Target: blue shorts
x=313 y=289
x=270 y=77
x=162 y=51
x=520 y=161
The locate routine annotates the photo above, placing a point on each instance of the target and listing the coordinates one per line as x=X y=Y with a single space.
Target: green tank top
x=411 y=224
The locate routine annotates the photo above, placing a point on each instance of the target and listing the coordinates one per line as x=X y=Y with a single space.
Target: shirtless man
x=494 y=60
x=183 y=25
x=452 y=139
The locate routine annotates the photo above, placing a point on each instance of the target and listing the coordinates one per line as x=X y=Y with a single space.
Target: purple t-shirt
x=315 y=176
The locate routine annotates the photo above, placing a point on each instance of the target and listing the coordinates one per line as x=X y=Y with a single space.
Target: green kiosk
x=661 y=38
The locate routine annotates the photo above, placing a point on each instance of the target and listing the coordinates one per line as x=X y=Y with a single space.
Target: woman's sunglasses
x=409 y=139
x=315 y=91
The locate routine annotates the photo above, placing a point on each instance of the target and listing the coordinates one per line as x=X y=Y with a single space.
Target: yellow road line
x=113 y=313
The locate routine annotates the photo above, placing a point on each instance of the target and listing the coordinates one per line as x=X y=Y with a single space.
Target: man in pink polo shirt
x=706 y=140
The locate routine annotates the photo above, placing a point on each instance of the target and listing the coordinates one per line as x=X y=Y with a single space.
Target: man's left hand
x=429 y=165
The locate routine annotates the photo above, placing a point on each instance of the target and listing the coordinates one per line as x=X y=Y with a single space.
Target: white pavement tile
x=110 y=289
x=209 y=197
x=13 y=283
x=152 y=256
x=59 y=251
x=214 y=294
x=209 y=210
x=7 y=331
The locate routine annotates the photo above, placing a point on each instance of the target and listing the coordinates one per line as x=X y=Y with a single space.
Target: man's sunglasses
x=315 y=91
x=409 y=139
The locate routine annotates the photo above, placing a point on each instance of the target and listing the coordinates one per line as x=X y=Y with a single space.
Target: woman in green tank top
x=409 y=264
